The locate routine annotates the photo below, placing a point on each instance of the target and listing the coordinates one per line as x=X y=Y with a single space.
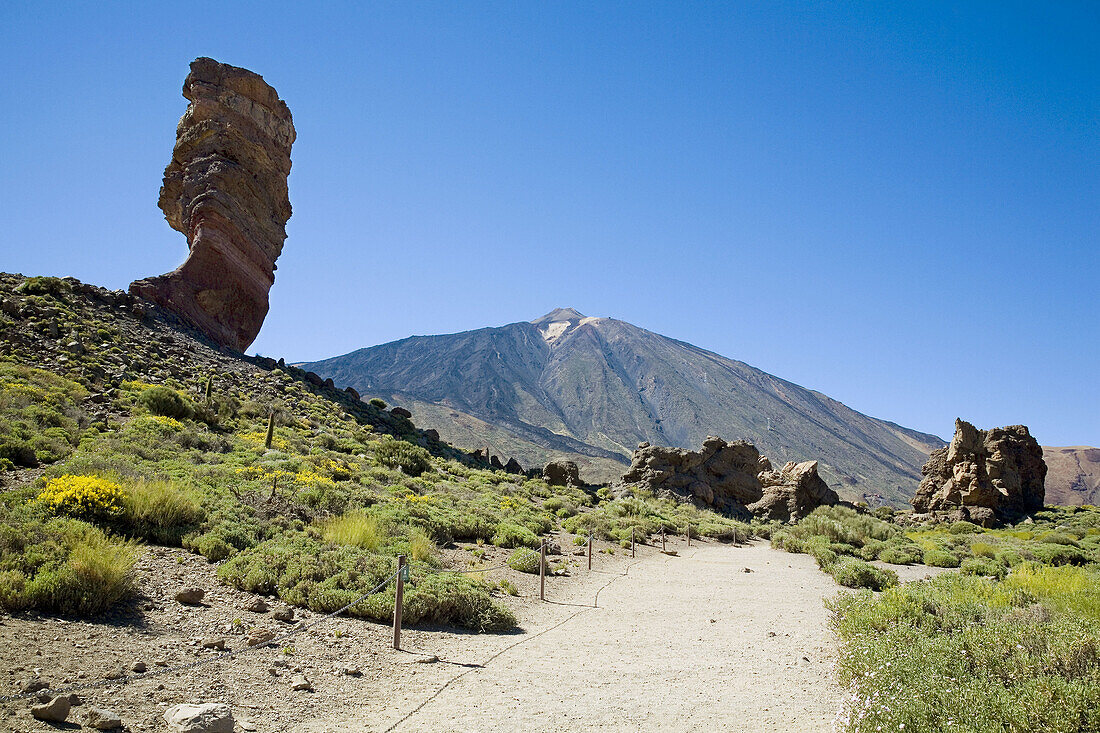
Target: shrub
x=982 y=549
x=513 y=535
x=159 y=510
x=983 y=566
x=963 y=527
x=1057 y=554
x=83 y=497
x=356 y=529
x=378 y=402
x=421 y=547
x=901 y=554
x=939 y=558
x=508 y=587
x=854 y=573
x=412 y=459
x=42 y=285
x=524 y=560
x=166 y=402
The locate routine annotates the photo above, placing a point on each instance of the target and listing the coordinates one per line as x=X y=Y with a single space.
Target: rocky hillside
x=593 y=388
x=1073 y=475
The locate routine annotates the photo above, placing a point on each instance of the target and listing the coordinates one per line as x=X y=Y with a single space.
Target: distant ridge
x=570 y=385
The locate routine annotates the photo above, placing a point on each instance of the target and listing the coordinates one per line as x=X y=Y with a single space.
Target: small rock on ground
x=54 y=711
x=210 y=717
x=101 y=719
x=190 y=596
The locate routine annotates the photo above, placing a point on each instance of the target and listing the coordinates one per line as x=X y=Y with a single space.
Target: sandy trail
x=677 y=643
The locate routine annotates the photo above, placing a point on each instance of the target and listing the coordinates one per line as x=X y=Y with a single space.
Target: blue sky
x=893 y=203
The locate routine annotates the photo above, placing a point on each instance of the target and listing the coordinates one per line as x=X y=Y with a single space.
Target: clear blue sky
x=897 y=204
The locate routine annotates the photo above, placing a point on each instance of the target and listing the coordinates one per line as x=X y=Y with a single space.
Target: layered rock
x=792 y=492
x=226 y=191
x=732 y=478
x=562 y=473
x=984 y=475
x=721 y=475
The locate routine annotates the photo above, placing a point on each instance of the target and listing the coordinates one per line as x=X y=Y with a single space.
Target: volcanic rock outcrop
x=562 y=473
x=730 y=477
x=985 y=475
x=226 y=191
x=792 y=492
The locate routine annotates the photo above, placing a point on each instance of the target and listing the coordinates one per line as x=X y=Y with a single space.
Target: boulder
x=208 y=717
x=720 y=475
x=100 y=719
x=512 y=466
x=190 y=596
x=984 y=476
x=54 y=711
x=562 y=473
x=432 y=434
x=226 y=191
x=792 y=492
x=401 y=412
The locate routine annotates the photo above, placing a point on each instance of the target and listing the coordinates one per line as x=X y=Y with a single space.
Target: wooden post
x=398 y=602
x=542 y=571
x=687 y=533
x=662 y=539
x=589 y=552
x=632 y=542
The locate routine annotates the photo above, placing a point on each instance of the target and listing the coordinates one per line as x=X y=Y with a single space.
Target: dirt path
x=677 y=643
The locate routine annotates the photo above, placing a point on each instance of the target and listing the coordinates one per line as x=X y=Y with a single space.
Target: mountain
x=591 y=389
x=1073 y=475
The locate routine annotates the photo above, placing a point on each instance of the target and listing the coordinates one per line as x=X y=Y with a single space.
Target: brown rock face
x=986 y=474
x=731 y=477
x=226 y=191
x=792 y=492
x=562 y=473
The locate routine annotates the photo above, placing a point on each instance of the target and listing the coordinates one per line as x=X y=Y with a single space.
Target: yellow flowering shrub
x=83 y=496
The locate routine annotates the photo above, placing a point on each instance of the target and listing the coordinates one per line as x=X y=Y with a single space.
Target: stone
x=432 y=434
x=351 y=671
x=792 y=492
x=512 y=466
x=213 y=643
x=190 y=596
x=54 y=711
x=139 y=667
x=562 y=473
x=299 y=683
x=984 y=476
x=401 y=412
x=315 y=379
x=283 y=613
x=101 y=719
x=34 y=684
x=210 y=717
x=352 y=392
x=257 y=605
x=494 y=462
x=260 y=636
x=226 y=191
x=720 y=475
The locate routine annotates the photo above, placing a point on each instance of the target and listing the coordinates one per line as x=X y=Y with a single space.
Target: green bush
x=1057 y=554
x=159 y=510
x=854 y=573
x=378 y=402
x=938 y=558
x=524 y=560
x=901 y=554
x=982 y=566
x=513 y=535
x=166 y=402
x=412 y=459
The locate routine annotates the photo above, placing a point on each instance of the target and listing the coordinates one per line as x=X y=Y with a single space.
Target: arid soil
x=691 y=641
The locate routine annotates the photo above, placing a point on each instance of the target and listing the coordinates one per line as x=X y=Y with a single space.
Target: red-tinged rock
x=226 y=191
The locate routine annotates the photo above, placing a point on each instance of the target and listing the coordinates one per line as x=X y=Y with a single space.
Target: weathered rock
x=226 y=191
x=300 y=683
x=101 y=719
x=210 y=717
x=257 y=605
x=792 y=492
x=213 y=642
x=494 y=462
x=260 y=636
x=562 y=473
x=512 y=466
x=401 y=412
x=352 y=392
x=432 y=434
x=139 y=667
x=190 y=596
x=984 y=476
x=55 y=711
x=720 y=475
x=283 y=613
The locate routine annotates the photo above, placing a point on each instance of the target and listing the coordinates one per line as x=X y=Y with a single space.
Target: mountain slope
x=566 y=384
x=1073 y=475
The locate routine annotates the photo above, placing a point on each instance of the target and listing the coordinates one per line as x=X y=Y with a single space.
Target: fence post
x=589 y=552
x=398 y=603
x=687 y=533
x=662 y=539
x=632 y=542
x=542 y=571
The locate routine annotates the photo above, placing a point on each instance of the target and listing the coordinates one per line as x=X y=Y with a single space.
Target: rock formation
x=984 y=475
x=562 y=473
x=226 y=191
x=730 y=477
x=792 y=492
